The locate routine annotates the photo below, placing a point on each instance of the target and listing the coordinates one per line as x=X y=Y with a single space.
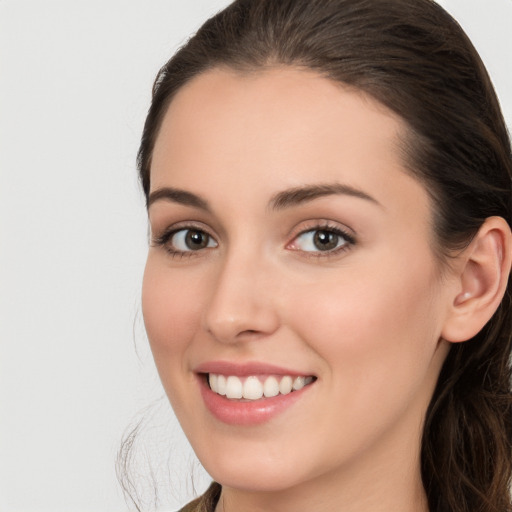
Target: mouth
x=251 y=393
x=255 y=387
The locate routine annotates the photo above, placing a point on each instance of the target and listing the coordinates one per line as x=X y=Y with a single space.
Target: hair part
x=412 y=57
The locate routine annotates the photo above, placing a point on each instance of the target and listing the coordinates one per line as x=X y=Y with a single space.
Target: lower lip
x=254 y=412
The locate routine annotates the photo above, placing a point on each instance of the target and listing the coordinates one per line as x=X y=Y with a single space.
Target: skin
x=366 y=320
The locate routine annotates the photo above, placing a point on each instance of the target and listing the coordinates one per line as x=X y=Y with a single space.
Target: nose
x=242 y=305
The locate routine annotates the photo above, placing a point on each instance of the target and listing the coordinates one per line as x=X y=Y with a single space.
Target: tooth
x=212 y=379
x=270 y=387
x=308 y=380
x=253 y=389
x=285 y=386
x=233 y=387
x=221 y=384
x=299 y=383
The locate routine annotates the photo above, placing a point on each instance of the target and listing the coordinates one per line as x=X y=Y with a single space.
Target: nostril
x=250 y=334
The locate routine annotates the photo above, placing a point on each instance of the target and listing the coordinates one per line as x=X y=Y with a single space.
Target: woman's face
x=290 y=247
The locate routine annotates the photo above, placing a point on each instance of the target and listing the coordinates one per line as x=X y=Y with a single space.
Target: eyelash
x=163 y=241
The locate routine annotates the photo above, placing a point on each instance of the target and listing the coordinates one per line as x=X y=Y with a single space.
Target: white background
x=75 y=80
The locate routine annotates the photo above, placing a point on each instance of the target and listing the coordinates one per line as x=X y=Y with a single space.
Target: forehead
x=259 y=132
x=269 y=111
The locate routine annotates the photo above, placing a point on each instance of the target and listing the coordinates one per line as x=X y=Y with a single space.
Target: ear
x=481 y=280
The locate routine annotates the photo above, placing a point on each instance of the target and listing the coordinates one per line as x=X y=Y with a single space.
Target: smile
x=255 y=387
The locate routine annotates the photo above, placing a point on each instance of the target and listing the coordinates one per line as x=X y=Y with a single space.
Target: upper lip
x=246 y=369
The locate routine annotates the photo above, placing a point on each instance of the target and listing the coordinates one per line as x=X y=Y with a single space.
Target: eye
x=185 y=241
x=325 y=240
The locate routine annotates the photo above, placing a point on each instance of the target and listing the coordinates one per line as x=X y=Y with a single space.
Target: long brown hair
x=414 y=58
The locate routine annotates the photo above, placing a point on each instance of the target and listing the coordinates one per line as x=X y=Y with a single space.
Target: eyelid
x=322 y=223
x=157 y=234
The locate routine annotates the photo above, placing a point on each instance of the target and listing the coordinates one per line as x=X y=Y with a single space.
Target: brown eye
x=195 y=240
x=186 y=240
x=325 y=240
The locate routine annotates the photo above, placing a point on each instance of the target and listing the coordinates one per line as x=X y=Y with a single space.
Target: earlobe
x=482 y=279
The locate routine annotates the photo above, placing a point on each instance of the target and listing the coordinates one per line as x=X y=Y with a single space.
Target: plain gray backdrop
x=75 y=80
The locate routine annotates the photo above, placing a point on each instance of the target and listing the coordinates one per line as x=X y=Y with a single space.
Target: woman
x=327 y=291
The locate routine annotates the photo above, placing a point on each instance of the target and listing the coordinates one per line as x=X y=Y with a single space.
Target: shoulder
x=205 y=503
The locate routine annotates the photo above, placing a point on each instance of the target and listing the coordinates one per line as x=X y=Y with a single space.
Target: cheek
x=171 y=308
x=379 y=329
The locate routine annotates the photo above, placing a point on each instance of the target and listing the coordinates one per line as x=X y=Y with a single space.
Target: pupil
x=196 y=240
x=325 y=240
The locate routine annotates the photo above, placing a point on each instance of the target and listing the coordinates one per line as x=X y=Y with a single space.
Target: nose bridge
x=241 y=299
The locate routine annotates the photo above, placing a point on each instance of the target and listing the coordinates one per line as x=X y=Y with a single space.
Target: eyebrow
x=298 y=195
x=282 y=200
x=179 y=196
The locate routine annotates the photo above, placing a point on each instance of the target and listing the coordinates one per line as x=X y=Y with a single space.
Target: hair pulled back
x=415 y=59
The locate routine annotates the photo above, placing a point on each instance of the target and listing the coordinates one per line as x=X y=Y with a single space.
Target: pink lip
x=234 y=412
x=245 y=369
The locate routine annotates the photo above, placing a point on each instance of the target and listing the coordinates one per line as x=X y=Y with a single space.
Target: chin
x=254 y=480
x=255 y=472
